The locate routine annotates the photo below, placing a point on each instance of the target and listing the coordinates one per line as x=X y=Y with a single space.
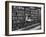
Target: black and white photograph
x=25 y=18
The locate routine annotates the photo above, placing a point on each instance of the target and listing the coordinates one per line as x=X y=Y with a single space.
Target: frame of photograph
x=7 y=17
